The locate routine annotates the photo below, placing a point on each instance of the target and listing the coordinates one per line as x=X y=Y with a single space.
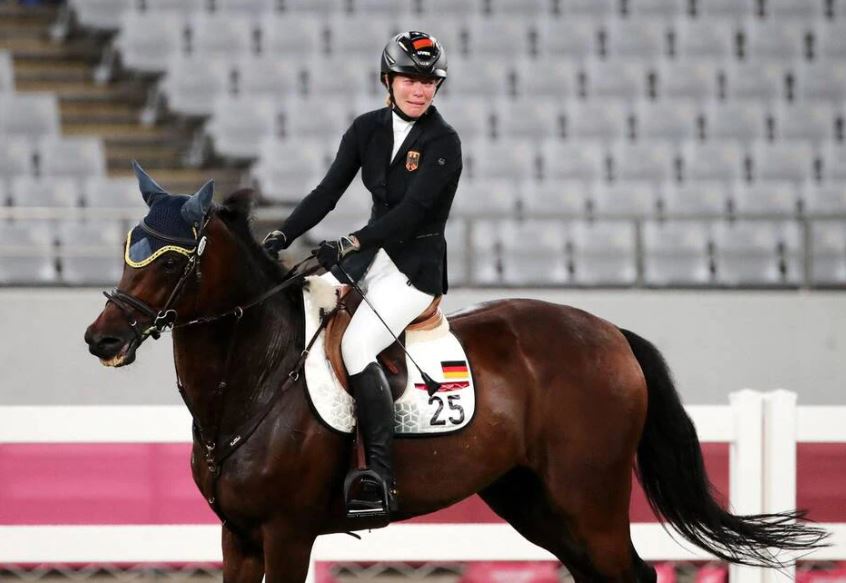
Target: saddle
x=392 y=358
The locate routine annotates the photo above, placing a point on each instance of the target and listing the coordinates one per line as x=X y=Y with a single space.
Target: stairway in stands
x=111 y=110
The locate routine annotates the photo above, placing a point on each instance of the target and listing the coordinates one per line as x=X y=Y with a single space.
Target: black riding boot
x=374 y=407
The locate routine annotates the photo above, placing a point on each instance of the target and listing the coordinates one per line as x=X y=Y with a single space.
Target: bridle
x=165 y=317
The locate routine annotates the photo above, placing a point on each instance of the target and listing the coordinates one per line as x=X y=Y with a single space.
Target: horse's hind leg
x=242 y=563
x=598 y=555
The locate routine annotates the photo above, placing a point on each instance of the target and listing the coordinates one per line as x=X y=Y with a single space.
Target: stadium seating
x=486 y=267
x=116 y=193
x=299 y=37
x=676 y=253
x=7 y=72
x=603 y=253
x=568 y=161
x=287 y=170
x=696 y=198
x=767 y=198
x=536 y=118
x=636 y=198
x=756 y=253
x=599 y=120
x=29 y=191
x=221 y=35
x=240 y=123
x=487 y=196
x=570 y=38
x=193 y=83
x=674 y=121
x=688 y=80
x=824 y=80
x=26 y=253
x=828 y=252
x=74 y=157
x=703 y=39
x=101 y=14
x=742 y=122
x=268 y=76
x=17 y=157
x=664 y=9
x=825 y=199
x=721 y=116
x=533 y=252
x=636 y=38
x=148 y=42
x=553 y=197
x=29 y=115
x=87 y=251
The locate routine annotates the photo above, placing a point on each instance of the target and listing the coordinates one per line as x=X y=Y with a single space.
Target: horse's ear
x=150 y=189
x=195 y=209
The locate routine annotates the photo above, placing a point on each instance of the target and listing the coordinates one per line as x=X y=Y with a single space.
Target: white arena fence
x=761 y=429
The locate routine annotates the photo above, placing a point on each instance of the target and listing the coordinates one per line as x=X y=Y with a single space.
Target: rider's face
x=413 y=95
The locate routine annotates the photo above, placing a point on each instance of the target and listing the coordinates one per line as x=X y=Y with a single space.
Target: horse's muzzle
x=111 y=350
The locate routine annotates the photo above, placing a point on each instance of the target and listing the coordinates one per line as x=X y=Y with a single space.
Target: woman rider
x=410 y=161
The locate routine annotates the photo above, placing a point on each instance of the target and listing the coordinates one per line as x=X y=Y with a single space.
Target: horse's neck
x=251 y=357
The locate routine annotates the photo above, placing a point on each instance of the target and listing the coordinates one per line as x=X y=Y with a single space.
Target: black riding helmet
x=414 y=53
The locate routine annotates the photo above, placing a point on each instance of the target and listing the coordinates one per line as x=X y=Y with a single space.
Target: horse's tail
x=672 y=473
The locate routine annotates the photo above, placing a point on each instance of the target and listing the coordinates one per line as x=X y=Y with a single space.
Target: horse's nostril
x=106 y=347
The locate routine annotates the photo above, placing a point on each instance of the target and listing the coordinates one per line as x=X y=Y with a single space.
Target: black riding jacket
x=412 y=195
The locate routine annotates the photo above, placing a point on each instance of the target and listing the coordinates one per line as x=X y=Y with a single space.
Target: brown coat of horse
x=566 y=403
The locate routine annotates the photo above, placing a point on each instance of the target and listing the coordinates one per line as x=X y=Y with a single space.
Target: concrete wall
x=716 y=342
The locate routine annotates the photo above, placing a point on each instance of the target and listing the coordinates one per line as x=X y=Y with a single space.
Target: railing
x=762 y=430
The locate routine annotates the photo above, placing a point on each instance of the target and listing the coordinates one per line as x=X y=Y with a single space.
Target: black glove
x=274 y=242
x=330 y=253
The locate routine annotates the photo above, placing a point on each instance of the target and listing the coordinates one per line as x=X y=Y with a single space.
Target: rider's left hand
x=330 y=253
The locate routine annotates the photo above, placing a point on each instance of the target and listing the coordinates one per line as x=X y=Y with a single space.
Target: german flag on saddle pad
x=456 y=376
x=455 y=370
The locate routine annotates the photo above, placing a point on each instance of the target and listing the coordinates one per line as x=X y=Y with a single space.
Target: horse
x=567 y=405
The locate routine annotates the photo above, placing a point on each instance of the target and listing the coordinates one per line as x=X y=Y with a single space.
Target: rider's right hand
x=274 y=242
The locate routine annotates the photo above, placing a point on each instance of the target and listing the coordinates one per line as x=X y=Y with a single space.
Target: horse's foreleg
x=242 y=562
x=286 y=554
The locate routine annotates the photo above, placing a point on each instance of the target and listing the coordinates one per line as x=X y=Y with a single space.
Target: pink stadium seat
x=833 y=576
x=323 y=573
x=712 y=574
x=666 y=573
x=509 y=572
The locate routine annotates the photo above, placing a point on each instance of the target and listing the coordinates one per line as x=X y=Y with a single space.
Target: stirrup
x=369 y=508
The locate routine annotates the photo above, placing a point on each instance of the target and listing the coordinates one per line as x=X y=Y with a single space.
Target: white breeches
x=396 y=300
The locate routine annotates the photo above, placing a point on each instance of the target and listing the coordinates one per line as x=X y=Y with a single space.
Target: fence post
x=780 y=414
x=746 y=492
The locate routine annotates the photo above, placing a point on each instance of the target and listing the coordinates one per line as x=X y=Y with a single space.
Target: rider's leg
x=398 y=303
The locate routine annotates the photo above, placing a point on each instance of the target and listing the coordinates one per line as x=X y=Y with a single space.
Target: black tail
x=672 y=473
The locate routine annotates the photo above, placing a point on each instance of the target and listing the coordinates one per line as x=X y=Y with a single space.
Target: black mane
x=236 y=213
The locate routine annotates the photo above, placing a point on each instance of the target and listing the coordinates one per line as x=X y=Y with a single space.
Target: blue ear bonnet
x=164 y=218
x=173 y=223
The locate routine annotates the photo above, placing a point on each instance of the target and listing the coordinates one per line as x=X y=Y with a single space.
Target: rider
x=410 y=161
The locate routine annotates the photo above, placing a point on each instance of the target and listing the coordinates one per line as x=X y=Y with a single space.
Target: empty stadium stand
x=667 y=142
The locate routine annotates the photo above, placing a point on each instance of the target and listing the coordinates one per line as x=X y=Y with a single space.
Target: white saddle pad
x=438 y=353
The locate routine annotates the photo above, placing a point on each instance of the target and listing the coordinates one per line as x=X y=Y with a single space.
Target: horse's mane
x=237 y=214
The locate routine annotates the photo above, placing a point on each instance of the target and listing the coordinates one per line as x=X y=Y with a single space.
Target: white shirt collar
x=401 y=130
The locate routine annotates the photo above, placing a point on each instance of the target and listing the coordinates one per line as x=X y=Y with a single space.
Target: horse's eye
x=170 y=263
